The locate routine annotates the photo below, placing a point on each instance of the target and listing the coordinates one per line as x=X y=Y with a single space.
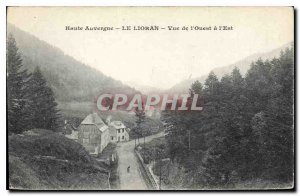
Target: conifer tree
x=44 y=108
x=196 y=88
x=140 y=119
x=17 y=79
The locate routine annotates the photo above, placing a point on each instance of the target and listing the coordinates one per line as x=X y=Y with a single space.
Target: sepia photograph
x=150 y=98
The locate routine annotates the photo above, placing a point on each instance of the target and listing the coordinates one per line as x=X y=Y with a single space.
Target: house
x=93 y=134
x=118 y=131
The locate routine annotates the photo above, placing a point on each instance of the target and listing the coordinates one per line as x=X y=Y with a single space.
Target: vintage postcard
x=150 y=98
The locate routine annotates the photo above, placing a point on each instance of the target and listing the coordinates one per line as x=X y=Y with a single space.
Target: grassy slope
x=41 y=159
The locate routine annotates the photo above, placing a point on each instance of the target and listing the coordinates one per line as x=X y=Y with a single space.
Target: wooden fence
x=151 y=183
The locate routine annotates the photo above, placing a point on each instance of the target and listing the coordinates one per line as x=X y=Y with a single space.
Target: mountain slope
x=243 y=65
x=41 y=159
x=70 y=80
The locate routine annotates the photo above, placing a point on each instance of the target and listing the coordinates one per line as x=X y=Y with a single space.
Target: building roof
x=94 y=119
x=68 y=129
x=117 y=124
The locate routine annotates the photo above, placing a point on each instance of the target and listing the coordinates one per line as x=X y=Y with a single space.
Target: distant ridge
x=243 y=65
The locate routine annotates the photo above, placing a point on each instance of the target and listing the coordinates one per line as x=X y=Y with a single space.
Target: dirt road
x=132 y=180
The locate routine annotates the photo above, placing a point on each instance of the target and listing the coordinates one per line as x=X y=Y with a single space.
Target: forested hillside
x=69 y=79
x=244 y=137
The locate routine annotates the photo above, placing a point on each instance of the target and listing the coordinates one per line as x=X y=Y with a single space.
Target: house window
x=85 y=141
x=92 y=140
x=86 y=134
x=123 y=137
x=118 y=130
x=122 y=130
x=112 y=138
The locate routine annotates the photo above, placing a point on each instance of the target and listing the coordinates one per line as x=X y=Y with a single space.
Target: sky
x=161 y=58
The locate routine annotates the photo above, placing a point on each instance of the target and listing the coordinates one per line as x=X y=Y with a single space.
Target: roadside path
x=134 y=179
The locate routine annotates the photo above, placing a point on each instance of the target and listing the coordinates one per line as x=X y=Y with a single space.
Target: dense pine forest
x=244 y=135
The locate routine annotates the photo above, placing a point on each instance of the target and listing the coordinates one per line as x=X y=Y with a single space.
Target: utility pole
x=189 y=132
x=160 y=173
x=144 y=149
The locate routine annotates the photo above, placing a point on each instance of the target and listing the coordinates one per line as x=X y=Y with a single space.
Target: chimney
x=108 y=119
